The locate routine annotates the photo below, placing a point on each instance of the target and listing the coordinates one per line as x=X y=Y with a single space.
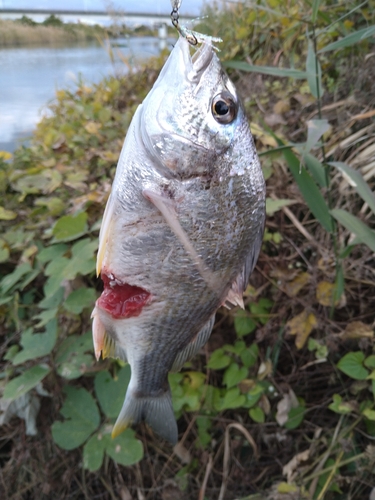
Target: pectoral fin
x=166 y=208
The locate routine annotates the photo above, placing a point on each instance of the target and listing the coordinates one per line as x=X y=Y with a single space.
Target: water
x=30 y=76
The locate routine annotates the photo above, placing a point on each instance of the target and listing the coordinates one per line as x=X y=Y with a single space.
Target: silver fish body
x=181 y=232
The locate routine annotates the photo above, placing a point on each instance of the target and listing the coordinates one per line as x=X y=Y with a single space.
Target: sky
x=189 y=7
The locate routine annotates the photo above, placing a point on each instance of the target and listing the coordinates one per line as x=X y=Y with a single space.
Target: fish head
x=192 y=114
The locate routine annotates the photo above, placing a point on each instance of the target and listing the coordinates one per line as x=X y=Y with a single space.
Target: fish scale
x=181 y=231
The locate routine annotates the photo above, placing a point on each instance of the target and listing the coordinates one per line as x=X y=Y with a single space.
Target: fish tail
x=156 y=411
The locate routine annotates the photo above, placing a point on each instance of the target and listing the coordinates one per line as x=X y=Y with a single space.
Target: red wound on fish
x=122 y=300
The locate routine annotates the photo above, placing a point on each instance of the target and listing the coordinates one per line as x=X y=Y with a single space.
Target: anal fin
x=194 y=346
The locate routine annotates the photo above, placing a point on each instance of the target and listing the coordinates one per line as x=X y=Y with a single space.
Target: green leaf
x=93 y=452
x=45 y=317
x=125 y=449
x=71 y=358
x=267 y=70
x=4 y=251
x=315 y=10
x=204 y=424
x=52 y=252
x=356 y=226
x=250 y=355
x=254 y=395
x=232 y=399
x=370 y=361
x=310 y=192
x=313 y=72
x=233 y=375
x=349 y=40
x=315 y=130
x=295 y=417
x=11 y=352
x=357 y=181
x=243 y=324
x=368 y=413
x=111 y=391
x=81 y=262
x=36 y=345
x=219 y=360
x=273 y=206
x=257 y=414
x=25 y=382
x=81 y=419
x=52 y=301
x=80 y=299
x=340 y=407
x=7 y=214
x=70 y=227
x=352 y=365
x=12 y=278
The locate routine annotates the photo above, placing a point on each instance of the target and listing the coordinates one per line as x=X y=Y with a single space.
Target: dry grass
x=13 y=33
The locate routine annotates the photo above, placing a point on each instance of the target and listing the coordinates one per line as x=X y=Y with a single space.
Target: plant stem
x=327 y=170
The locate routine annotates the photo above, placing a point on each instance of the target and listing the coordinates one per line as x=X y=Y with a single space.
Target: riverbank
x=16 y=33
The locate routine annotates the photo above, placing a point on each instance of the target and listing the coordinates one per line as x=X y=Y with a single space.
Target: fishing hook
x=175 y=15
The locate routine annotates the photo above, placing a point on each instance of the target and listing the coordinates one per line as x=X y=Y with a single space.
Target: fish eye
x=224 y=108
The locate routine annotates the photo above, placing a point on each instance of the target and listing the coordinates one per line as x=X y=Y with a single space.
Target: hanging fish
x=181 y=231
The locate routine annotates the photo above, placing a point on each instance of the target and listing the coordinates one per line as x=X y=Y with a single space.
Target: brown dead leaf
x=295 y=286
x=93 y=127
x=246 y=385
x=284 y=406
x=325 y=295
x=282 y=106
x=357 y=330
x=291 y=467
x=265 y=369
x=264 y=404
x=274 y=119
x=283 y=274
x=301 y=326
x=125 y=493
x=182 y=453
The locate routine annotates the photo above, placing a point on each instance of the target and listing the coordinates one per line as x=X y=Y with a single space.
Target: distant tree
x=27 y=21
x=53 y=20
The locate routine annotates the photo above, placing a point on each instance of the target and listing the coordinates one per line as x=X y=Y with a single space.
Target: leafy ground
x=280 y=404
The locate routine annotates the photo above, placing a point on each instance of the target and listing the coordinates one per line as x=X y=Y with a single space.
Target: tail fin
x=157 y=412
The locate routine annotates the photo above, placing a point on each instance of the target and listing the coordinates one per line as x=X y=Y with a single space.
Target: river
x=29 y=77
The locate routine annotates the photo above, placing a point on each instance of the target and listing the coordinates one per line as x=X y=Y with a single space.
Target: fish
x=181 y=231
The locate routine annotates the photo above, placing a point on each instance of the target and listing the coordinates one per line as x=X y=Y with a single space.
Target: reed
x=13 y=33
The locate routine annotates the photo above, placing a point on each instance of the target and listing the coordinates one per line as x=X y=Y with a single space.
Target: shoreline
x=21 y=33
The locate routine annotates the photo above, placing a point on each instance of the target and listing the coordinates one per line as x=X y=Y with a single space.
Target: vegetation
x=281 y=404
x=52 y=31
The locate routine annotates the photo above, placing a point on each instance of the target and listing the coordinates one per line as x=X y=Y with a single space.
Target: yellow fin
x=120 y=427
x=104 y=233
x=98 y=333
